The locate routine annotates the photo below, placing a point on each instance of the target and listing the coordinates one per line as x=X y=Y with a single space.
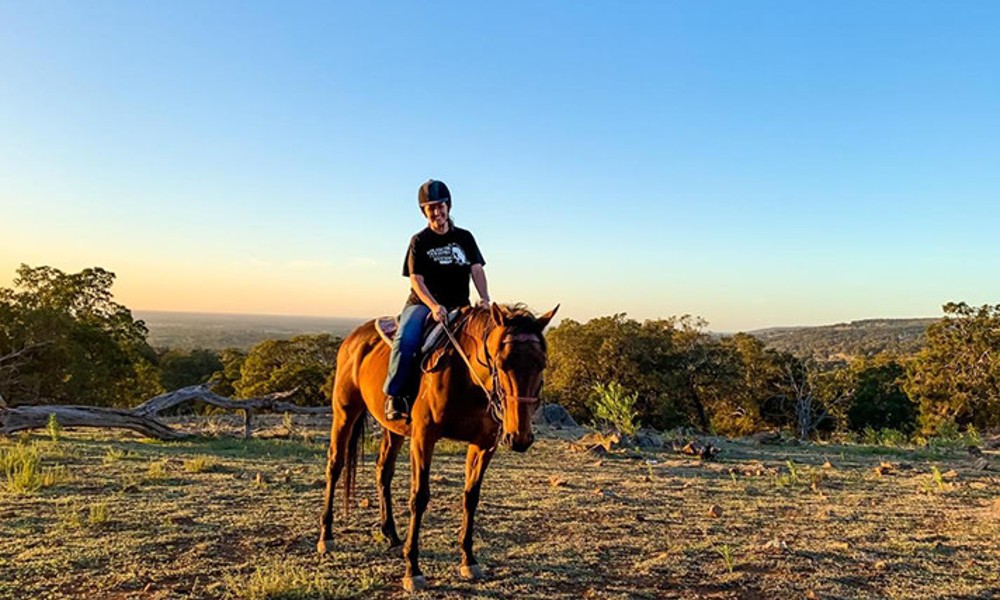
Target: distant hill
x=844 y=341
x=215 y=331
x=826 y=343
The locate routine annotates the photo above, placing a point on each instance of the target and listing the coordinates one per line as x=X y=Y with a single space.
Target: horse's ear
x=544 y=319
x=498 y=314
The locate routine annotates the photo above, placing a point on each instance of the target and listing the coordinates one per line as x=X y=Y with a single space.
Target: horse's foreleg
x=340 y=434
x=421 y=451
x=476 y=462
x=387 y=453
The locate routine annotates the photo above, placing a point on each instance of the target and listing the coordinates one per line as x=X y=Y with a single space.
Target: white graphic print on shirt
x=452 y=254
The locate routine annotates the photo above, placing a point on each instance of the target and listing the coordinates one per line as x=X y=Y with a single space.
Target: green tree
x=71 y=342
x=611 y=348
x=878 y=400
x=228 y=375
x=306 y=362
x=956 y=377
x=672 y=365
x=762 y=396
x=181 y=368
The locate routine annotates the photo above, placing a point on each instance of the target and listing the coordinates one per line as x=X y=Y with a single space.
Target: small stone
x=883 y=469
x=364 y=503
x=715 y=511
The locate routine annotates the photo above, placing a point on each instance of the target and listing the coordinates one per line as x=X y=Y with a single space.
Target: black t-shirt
x=445 y=261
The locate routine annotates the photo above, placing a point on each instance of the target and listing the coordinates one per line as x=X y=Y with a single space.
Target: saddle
x=435 y=343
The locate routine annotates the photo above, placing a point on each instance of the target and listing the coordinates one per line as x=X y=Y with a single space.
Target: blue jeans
x=405 y=346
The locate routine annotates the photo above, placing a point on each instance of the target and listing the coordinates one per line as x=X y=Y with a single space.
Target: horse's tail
x=354 y=450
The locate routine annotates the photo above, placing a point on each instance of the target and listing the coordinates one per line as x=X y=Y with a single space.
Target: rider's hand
x=439 y=313
x=484 y=302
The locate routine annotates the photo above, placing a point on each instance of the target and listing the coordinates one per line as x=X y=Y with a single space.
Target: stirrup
x=393 y=413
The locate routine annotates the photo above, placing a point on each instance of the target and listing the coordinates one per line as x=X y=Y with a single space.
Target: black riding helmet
x=432 y=192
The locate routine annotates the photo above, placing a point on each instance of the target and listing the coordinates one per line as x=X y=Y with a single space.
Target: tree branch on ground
x=144 y=419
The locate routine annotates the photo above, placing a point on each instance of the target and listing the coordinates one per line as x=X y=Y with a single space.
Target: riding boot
x=397 y=408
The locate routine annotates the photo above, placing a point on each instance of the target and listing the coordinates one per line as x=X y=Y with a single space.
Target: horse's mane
x=519 y=320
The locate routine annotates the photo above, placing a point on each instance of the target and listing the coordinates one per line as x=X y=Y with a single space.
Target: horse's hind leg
x=387 y=453
x=345 y=414
x=476 y=462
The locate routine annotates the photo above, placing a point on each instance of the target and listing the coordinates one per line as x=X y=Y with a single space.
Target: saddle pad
x=386 y=328
x=433 y=336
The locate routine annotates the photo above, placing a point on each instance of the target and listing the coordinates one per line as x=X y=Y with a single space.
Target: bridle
x=495 y=393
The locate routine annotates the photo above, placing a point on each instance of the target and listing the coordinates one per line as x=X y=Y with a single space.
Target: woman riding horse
x=484 y=392
x=439 y=261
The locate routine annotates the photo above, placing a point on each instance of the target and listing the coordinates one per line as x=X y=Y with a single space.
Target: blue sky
x=754 y=163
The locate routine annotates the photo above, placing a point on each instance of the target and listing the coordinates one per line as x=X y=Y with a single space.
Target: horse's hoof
x=414 y=584
x=324 y=546
x=472 y=572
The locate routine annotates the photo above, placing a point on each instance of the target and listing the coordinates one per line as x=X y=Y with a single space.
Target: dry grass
x=224 y=518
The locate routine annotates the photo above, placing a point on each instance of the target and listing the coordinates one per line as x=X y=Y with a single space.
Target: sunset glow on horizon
x=756 y=164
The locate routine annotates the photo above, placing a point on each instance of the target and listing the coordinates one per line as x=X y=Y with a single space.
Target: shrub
x=54 y=428
x=613 y=407
x=22 y=471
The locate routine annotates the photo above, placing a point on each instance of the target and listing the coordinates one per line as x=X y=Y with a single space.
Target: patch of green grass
x=290 y=582
x=451 y=447
x=114 y=455
x=199 y=464
x=261 y=449
x=98 y=514
x=69 y=516
x=157 y=469
x=23 y=473
x=12 y=457
x=726 y=552
x=788 y=479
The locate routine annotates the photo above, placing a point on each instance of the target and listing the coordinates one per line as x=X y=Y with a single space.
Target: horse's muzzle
x=510 y=440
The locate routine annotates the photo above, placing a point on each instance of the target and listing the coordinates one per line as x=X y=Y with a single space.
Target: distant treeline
x=215 y=331
x=676 y=374
x=841 y=343
x=63 y=339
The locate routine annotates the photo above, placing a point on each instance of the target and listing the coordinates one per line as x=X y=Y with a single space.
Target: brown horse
x=489 y=399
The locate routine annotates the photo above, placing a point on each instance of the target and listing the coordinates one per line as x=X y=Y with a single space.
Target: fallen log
x=144 y=419
x=21 y=418
x=272 y=402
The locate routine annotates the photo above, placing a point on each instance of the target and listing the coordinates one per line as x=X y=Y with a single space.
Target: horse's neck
x=472 y=341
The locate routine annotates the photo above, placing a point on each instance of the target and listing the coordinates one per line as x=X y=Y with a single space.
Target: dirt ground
x=118 y=516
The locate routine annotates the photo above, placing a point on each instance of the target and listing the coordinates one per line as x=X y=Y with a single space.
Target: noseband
x=510 y=339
